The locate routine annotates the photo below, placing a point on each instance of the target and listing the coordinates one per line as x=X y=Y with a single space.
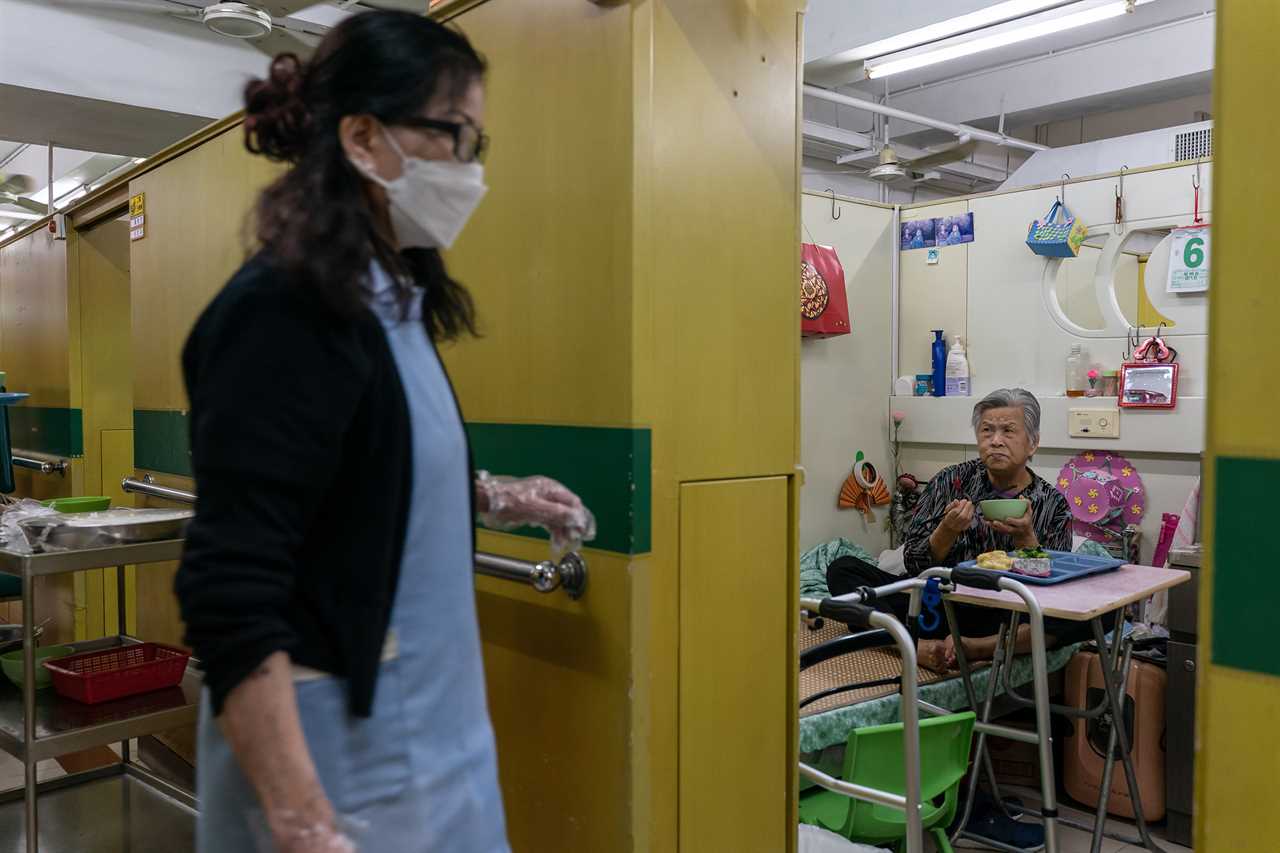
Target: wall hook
x=1119 y=226
x=1195 y=185
x=835 y=213
x=1062 y=188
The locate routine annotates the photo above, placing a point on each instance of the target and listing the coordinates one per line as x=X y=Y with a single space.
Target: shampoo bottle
x=939 y=364
x=957 y=370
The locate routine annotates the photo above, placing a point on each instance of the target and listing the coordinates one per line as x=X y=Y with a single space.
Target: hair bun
x=277 y=122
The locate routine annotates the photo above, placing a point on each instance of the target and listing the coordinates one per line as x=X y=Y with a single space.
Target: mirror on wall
x=1076 y=289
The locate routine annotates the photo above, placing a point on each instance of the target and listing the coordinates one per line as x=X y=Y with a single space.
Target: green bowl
x=93 y=504
x=12 y=663
x=1004 y=509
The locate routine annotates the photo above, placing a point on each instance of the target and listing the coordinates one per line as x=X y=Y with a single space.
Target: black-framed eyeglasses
x=470 y=143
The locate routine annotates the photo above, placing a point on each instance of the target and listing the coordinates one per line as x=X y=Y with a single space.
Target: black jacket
x=301 y=448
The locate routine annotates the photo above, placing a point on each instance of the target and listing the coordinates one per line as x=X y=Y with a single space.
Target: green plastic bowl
x=12 y=663
x=94 y=504
x=1004 y=509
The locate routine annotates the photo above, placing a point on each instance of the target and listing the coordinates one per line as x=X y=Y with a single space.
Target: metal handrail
x=41 y=463
x=148 y=486
x=545 y=576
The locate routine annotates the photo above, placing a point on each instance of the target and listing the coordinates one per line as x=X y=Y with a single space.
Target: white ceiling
x=105 y=84
x=1145 y=16
x=1160 y=53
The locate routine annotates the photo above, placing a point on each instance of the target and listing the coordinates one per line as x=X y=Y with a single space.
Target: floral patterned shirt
x=1052 y=519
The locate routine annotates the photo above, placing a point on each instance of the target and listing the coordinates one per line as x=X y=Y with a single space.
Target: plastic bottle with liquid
x=1077 y=369
x=939 y=364
x=957 y=370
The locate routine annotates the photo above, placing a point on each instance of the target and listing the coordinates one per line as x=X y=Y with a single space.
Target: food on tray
x=1034 y=562
x=1027 y=561
x=1036 y=567
x=996 y=560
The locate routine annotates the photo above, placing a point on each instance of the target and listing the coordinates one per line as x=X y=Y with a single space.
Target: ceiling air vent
x=1192 y=144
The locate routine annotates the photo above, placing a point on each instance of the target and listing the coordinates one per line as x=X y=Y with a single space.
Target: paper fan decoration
x=1104 y=493
x=880 y=493
x=863 y=489
x=852 y=495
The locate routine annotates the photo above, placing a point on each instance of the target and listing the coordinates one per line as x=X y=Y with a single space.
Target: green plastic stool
x=873 y=758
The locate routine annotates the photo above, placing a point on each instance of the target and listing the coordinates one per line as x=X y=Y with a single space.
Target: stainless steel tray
x=104 y=529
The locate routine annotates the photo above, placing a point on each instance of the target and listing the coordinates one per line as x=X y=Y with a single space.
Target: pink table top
x=1083 y=599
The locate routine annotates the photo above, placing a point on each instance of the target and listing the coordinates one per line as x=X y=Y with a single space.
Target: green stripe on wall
x=609 y=467
x=43 y=429
x=161 y=442
x=1244 y=577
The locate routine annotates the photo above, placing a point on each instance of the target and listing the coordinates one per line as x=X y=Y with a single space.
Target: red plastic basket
x=93 y=677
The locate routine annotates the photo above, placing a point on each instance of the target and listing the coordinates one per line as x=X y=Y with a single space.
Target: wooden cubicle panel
x=548 y=258
x=1238 y=689
x=35 y=343
x=101 y=370
x=634 y=268
x=197 y=205
x=733 y=793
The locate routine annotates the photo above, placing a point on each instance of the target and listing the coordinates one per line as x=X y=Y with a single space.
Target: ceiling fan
x=266 y=24
x=12 y=188
x=891 y=167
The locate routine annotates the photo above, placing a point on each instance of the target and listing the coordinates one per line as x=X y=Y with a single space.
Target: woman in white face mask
x=326 y=585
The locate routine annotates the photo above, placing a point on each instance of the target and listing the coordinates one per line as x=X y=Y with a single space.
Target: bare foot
x=932 y=654
x=976 y=650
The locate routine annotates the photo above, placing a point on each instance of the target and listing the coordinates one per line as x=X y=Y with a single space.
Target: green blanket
x=814 y=562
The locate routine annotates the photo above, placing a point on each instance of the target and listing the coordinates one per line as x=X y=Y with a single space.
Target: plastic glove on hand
x=506 y=503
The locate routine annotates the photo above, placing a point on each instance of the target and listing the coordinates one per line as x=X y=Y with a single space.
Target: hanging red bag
x=824 y=308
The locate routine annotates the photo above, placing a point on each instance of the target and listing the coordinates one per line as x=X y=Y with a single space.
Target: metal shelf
x=119 y=809
x=58 y=562
x=65 y=725
x=37 y=725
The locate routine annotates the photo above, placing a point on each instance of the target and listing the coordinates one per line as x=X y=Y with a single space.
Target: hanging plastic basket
x=1058 y=235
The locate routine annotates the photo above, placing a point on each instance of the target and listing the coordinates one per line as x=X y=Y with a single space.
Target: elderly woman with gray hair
x=947 y=528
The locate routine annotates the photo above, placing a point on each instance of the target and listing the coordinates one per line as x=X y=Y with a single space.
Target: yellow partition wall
x=36 y=320
x=196 y=208
x=634 y=268
x=1238 y=740
x=101 y=370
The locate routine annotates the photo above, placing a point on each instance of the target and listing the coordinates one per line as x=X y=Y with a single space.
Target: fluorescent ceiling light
x=952 y=26
x=1014 y=32
x=20 y=214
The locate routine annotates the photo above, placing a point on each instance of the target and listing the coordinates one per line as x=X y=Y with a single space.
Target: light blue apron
x=421 y=773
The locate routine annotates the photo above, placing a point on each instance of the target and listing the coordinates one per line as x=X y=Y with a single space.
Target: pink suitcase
x=1086 y=747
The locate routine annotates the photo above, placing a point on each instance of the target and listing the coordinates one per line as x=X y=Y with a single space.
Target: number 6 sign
x=1189 y=260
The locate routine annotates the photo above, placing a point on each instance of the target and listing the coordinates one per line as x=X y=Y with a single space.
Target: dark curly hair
x=316 y=221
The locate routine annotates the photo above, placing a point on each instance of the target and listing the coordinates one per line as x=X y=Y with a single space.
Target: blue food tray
x=1063 y=566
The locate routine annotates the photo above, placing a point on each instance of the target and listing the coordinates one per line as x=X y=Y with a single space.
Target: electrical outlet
x=1093 y=423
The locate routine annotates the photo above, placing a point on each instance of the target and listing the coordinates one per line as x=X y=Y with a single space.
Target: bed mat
x=828 y=721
